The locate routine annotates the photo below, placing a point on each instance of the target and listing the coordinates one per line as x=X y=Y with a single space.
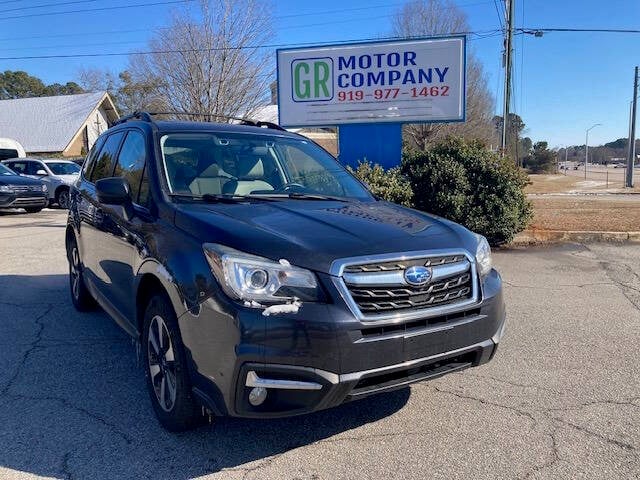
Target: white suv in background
x=57 y=174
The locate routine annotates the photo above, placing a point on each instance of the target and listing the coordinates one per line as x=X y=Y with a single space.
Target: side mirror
x=113 y=191
x=41 y=173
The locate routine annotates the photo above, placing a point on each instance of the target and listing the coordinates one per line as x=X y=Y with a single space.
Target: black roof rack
x=146 y=117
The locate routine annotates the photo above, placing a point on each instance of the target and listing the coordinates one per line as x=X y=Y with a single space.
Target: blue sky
x=564 y=82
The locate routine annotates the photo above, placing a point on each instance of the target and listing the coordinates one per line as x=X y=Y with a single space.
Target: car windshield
x=63 y=168
x=242 y=164
x=6 y=171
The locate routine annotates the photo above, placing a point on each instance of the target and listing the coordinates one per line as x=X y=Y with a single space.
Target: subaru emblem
x=417 y=275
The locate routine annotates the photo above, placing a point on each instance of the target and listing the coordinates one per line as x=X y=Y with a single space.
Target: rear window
x=6 y=153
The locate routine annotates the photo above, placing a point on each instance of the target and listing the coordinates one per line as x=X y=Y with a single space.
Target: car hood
x=68 y=179
x=18 y=180
x=312 y=234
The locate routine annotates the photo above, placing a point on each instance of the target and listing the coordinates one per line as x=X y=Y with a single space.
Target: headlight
x=44 y=188
x=255 y=279
x=6 y=189
x=483 y=256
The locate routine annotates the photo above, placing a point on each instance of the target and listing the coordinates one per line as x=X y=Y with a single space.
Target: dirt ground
x=598 y=181
x=603 y=213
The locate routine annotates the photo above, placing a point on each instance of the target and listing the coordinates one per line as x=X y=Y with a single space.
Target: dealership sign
x=406 y=81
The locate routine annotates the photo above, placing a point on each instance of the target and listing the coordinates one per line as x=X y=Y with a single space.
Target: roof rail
x=146 y=117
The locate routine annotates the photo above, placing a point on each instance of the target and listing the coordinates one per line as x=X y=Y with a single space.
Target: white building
x=65 y=124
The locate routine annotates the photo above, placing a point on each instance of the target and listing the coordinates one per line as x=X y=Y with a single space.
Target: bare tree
x=443 y=17
x=211 y=62
x=127 y=93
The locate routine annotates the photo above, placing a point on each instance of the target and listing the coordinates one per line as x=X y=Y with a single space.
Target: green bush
x=389 y=185
x=470 y=185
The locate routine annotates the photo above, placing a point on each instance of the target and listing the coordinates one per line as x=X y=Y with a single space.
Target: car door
x=93 y=228
x=122 y=241
x=35 y=166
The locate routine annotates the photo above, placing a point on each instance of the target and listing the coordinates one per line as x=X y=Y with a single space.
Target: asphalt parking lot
x=560 y=400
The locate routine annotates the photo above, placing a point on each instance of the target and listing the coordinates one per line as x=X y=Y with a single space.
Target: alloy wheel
x=63 y=200
x=75 y=272
x=162 y=366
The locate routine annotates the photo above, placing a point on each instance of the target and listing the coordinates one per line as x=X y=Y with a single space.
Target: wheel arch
x=153 y=279
x=69 y=236
x=59 y=188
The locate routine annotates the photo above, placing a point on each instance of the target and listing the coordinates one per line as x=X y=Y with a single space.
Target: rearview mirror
x=41 y=173
x=113 y=191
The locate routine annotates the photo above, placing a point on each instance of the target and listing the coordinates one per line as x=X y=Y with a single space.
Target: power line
x=495 y=3
x=60 y=4
x=85 y=10
x=246 y=47
x=578 y=30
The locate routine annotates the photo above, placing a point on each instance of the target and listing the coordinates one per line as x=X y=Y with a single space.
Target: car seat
x=250 y=171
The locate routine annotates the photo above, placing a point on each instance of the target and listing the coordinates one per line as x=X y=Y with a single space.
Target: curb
x=536 y=237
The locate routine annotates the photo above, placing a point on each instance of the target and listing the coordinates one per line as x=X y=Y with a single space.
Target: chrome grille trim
x=344 y=268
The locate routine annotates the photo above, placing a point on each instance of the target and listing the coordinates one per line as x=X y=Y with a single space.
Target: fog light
x=257 y=396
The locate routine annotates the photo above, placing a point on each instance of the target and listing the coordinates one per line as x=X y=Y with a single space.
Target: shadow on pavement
x=73 y=404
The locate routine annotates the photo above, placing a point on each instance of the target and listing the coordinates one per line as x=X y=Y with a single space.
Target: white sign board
x=405 y=81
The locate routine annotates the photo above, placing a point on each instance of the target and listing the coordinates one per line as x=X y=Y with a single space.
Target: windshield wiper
x=219 y=197
x=301 y=196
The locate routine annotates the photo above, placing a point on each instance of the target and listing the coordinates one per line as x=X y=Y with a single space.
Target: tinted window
x=33 y=167
x=19 y=167
x=131 y=163
x=8 y=153
x=93 y=153
x=63 y=168
x=106 y=159
x=5 y=171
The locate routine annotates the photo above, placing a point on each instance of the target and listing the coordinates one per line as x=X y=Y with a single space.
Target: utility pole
x=586 y=149
x=508 y=53
x=632 y=133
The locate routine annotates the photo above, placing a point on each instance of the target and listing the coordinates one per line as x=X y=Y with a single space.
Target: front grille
x=28 y=201
x=452 y=283
x=388 y=380
x=26 y=188
x=416 y=325
x=403 y=264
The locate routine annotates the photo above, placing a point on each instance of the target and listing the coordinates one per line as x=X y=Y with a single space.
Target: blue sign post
x=379 y=143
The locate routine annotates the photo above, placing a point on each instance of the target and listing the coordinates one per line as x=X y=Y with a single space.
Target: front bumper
x=323 y=356
x=23 y=200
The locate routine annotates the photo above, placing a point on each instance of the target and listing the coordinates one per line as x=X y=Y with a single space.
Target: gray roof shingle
x=46 y=124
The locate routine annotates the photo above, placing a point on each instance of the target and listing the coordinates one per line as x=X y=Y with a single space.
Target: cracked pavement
x=560 y=400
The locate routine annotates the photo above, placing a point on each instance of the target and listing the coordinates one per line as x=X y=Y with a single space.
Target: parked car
x=21 y=192
x=262 y=279
x=10 y=148
x=58 y=174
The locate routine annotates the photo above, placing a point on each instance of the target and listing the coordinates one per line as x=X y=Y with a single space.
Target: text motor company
x=378 y=82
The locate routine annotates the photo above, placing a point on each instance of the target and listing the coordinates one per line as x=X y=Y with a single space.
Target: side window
x=18 y=167
x=93 y=153
x=130 y=165
x=104 y=163
x=33 y=167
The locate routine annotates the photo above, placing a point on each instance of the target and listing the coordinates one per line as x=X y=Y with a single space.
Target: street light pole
x=586 y=149
x=632 y=134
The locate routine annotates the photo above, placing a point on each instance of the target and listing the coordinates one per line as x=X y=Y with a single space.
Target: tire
x=165 y=367
x=33 y=209
x=80 y=295
x=62 y=198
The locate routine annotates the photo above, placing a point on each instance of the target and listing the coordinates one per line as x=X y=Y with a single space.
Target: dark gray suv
x=262 y=279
